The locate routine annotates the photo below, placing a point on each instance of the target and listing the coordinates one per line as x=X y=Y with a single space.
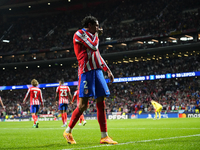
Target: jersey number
x=35 y=94
x=85 y=84
x=63 y=92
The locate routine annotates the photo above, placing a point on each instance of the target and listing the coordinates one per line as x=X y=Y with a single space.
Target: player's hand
x=110 y=75
x=4 y=108
x=100 y=31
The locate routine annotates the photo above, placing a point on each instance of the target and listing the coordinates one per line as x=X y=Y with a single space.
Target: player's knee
x=82 y=107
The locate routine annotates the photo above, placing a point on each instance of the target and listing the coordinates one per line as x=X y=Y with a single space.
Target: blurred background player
x=35 y=100
x=157 y=107
x=2 y=103
x=91 y=81
x=76 y=96
x=19 y=111
x=4 y=108
x=64 y=95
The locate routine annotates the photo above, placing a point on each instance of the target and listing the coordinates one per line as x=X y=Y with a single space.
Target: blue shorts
x=34 y=108
x=63 y=107
x=93 y=84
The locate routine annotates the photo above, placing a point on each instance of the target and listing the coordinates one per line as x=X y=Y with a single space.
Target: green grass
x=131 y=134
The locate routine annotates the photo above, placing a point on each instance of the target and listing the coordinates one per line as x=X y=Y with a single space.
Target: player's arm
x=70 y=96
x=41 y=99
x=74 y=97
x=25 y=98
x=2 y=103
x=81 y=37
x=57 y=95
x=107 y=69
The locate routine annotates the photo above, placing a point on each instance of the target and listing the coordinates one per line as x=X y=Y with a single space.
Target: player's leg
x=84 y=121
x=160 y=113
x=32 y=111
x=19 y=115
x=155 y=115
x=36 y=115
x=80 y=123
x=86 y=89
x=74 y=119
x=101 y=90
x=65 y=114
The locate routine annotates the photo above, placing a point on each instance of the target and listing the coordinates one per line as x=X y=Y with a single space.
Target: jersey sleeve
x=26 y=96
x=57 y=89
x=81 y=37
x=103 y=63
x=74 y=97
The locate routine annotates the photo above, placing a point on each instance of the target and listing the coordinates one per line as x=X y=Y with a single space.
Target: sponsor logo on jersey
x=86 y=91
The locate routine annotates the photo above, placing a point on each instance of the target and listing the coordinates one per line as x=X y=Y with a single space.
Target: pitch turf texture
x=164 y=134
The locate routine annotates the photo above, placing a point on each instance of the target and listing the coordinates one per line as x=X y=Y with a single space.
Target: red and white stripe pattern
x=76 y=96
x=35 y=96
x=87 y=52
x=63 y=92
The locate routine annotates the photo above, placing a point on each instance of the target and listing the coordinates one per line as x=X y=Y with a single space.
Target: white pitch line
x=143 y=141
x=109 y=128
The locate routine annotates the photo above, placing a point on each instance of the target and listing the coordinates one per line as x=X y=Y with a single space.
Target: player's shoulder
x=78 y=32
x=35 y=88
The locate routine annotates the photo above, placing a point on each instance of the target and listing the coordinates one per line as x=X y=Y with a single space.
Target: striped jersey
x=87 y=52
x=35 y=96
x=63 y=91
x=76 y=97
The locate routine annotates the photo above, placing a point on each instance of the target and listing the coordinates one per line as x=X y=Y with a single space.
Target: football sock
x=101 y=116
x=104 y=134
x=63 y=118
x=75 y=117
x=83 y=119
x=155 y=115
x=159 y=115
x=34 y=118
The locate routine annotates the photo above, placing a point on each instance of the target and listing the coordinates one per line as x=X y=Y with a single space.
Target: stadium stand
x=128 y=26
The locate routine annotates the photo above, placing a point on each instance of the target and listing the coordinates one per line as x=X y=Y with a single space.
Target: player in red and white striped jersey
x=76 y=97
x=64 y=95
x=35 y=99
x=87 y=52
x=91 y=81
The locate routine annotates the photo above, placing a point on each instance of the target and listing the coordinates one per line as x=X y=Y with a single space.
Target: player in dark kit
x=91 y=81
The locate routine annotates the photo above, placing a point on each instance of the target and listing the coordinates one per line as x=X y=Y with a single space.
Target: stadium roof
x=4 y=4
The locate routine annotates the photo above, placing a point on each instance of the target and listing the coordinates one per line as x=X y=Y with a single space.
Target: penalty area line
x=142 y=141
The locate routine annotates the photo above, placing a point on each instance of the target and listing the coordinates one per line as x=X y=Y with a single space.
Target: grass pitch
x=145 y=134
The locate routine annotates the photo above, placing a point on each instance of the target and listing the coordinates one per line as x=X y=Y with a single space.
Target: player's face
x=93 y=28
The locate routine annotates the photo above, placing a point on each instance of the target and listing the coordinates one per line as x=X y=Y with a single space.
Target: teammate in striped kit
x=64 y=95
x=35 y=99
x=76 y=96
x=91 y=81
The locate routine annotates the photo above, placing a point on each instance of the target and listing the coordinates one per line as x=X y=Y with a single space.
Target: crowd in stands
x=156 y=18
x=173 y=64
x=173 y=94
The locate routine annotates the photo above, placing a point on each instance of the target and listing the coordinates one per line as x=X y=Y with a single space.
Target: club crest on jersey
x=86 y=91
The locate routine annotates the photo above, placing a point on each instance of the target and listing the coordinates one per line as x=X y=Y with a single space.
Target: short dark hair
x=87 y=20
x=62 y=81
